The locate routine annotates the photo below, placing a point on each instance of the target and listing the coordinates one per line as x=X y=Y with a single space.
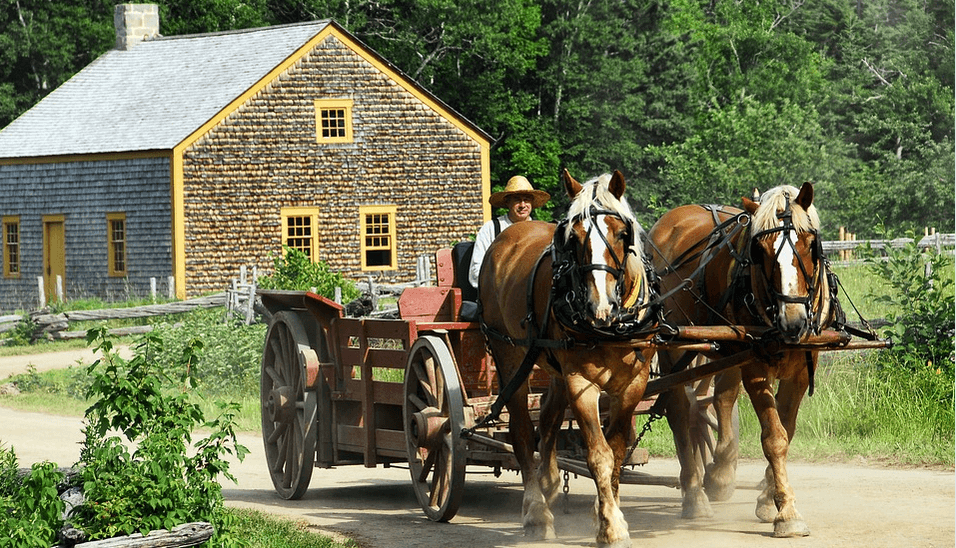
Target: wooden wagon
x=340 y=391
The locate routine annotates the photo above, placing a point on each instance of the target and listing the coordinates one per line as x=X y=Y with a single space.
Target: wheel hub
x=280 y=407
x=428 y=426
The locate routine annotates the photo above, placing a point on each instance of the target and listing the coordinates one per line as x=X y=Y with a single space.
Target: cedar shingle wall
x=265 y=156
x=84 y=192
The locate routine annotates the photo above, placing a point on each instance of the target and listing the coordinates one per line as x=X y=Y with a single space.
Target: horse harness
x=740 y=288
x=567 y=305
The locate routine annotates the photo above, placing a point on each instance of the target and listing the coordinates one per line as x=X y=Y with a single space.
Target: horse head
x=786 y=254
x=604 y=240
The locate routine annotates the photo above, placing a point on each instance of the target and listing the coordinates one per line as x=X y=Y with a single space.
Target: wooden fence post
x=171 y=287
x=41 y=292
x=152 y=288
x=59 y=288
x=842 y=237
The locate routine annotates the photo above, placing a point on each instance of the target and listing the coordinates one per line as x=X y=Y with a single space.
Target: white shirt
x=482 y=241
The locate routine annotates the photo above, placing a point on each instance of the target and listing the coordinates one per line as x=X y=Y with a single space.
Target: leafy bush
x=232 y=351
x=156 y=486
x=295 y=270
x=922 y=306
x=22 y=334
x=30 y=508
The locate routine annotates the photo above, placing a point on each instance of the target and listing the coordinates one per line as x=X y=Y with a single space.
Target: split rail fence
x=240 y=299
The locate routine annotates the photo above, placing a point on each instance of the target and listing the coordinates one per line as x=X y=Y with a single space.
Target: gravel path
x=846 y=505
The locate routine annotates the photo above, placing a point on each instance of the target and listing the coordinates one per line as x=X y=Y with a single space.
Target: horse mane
x=596 y=192
x=775 y=199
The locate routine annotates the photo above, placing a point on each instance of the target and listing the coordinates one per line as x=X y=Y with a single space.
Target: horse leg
x=777 y=502
x=612 y=528
x=536 y=518
x=694 y=502
x=720 y=477
x=549 y=427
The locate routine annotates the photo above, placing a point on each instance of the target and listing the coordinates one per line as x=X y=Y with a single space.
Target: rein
x=566 y=301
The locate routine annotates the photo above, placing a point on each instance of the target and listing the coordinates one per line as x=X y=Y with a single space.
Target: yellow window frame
x=300 y=230
x=117 y=232
x=11 y=246
x=378 y=246
x=333 y=120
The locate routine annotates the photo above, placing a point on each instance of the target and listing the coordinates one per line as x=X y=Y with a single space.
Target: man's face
x=519 y=207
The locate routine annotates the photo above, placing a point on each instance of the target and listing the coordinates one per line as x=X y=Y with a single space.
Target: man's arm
x=482 y=242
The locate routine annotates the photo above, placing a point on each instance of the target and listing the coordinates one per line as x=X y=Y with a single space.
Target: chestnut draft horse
x=548 y=296
x=763 y=266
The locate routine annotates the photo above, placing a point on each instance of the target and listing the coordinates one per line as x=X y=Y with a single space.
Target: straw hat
x=519 y=185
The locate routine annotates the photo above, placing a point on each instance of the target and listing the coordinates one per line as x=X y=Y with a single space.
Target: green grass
x=264 y=531
x=861 y=286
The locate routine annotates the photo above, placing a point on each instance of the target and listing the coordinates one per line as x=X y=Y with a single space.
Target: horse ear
x=805 y=198
x=572 y=186
x=616 y=186
x=750 y=205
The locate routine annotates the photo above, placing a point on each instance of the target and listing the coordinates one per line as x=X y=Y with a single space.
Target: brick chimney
x=135 y=23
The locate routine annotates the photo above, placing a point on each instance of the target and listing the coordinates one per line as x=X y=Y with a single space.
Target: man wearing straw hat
x=519 y=197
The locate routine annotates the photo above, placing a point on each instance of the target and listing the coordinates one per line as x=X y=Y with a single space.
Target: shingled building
x=190 y=156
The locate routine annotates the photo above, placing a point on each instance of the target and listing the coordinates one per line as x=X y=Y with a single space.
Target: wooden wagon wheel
x=289 y=406
x=434 y=417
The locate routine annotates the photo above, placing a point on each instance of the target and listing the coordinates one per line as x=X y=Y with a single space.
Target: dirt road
x=845 y=505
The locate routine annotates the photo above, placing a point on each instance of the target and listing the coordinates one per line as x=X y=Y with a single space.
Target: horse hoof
x=719 y=492
x=790 y=529
x=766 y=511
x=701 y=509
x=539 y=532
x=624 y=543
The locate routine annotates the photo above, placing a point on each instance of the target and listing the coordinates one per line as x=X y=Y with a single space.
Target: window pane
x=11 y=241
x=299 y=234
x=118 y=244
x=333 y=123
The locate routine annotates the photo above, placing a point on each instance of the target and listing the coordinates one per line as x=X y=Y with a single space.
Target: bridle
x=815 y=282
x=569 y=279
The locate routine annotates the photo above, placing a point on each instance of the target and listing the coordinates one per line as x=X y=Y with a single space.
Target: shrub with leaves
x=30 y=508
x=921 y=325
x=154 y=485
x=231 y=352
x=295 y=270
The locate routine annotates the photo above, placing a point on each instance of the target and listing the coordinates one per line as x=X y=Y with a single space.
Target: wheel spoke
x=708 y=419
x=417 y=402
x=277 y=433
x=429 y=363
x=440 y=393
x=271 y=372
x=440 y=479
x=277 y=359
x=427 y=465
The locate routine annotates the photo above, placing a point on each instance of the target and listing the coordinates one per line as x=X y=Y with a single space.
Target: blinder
x=813 y=281
x=569 y=284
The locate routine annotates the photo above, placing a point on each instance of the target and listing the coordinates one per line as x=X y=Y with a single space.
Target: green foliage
x=157 y=485
x=294 y=270
x=868 y=407
x=22 y=334
x=231 y=353
x=30 y=508
x=922 y=295
x=693 y=100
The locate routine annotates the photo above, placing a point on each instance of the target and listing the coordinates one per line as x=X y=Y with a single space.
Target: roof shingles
x=152 y=96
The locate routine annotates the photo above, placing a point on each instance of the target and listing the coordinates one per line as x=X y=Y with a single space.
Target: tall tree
x=42 y=44
x=755 y=98
x=613 y=82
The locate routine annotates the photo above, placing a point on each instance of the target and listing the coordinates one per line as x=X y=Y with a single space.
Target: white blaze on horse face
x=603 y=309
x=789 y=313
